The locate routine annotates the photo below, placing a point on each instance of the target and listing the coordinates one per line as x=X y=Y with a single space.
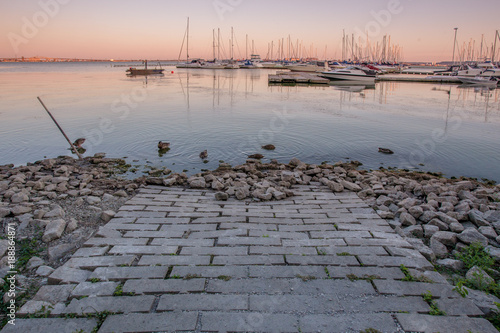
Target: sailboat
x=195 y=63
x=215 y=64
x=232 y=64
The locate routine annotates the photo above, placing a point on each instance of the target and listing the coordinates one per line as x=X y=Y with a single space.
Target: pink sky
x=154 y=29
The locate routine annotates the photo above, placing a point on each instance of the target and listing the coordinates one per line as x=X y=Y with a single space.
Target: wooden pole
x=50 y=114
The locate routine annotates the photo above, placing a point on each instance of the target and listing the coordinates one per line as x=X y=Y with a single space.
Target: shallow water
x=431 y=127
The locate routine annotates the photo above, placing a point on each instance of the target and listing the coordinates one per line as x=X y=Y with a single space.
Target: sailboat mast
x=213 y=43
x=187 y=42
x=495 y=47
x=218 y=43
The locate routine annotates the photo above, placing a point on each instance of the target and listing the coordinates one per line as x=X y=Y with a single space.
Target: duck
x=163 y=145
x=256 y=156
x=385 y=151
x=204 y=154
x=79 y=142
x=269 y=147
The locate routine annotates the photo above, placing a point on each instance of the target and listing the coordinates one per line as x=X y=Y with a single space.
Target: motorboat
x=312 y=66
x=213 y=65
x=194 y=63
x=145 y=70
x=351 y=73
x=479 y=80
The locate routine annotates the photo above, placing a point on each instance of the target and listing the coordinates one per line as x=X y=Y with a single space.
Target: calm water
x=432 y=127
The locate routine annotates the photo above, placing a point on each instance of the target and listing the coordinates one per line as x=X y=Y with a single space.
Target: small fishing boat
x=479 y=80
x=145 y=70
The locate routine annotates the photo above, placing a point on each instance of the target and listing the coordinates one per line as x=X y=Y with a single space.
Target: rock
x=59 y=251
x=71 y=226
x=217 y=185
x=44 y=271
x=34 y=262
x=350 y=186
x=408 y=203
x=278 y=195
x=430 y=230
x=54 y=230
x=427 y=216
x=107 y=215
x=121 y=193
x=242 y=193
x=483 y=301
x=407 y=219
x=492 y=216
x=221 y=196
x=334 y=186
x=446 y=238
x=416 y=211
x=20 y=209
x=438 y=223
x=477 y=217
x=471 y=235
x=19 y=197
x=419 y=245
x=57 y=212
x=466 y=195
x=479 y=278
x=462 y=207
x=383 y=201
x=385 y=215
x=446 y=218
x=4 y=212
x=446 y=207
x=414 y=230
x=91 y=200
x=169 y=181
x=295 y=162
x=438 y=248
x=197 y=182
x=452 y=264
x=456 y=227
x=493 y=251
x=489 y=232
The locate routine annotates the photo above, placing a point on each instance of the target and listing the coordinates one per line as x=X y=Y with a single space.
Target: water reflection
x=232 y=113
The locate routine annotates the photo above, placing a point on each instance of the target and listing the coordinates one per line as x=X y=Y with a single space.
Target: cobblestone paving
x=177 y=260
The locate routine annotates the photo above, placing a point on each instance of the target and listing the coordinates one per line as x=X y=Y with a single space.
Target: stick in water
x=50 y=114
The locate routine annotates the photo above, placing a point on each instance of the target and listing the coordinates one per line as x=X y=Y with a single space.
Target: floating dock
x=314 y=78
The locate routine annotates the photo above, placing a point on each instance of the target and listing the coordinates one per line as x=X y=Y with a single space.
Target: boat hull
x=135 y=71
x=349 y=77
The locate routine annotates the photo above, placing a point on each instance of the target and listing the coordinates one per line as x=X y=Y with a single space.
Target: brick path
x=317 y=262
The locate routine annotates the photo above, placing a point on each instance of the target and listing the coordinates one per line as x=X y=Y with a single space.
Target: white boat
x=471 y=71
x=313 y=66
x=195 y=63
x=479 y=80
x=351 y=73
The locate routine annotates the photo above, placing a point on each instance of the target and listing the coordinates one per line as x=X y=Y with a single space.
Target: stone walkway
x=175 y=259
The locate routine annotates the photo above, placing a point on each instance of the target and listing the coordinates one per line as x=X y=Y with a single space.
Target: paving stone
x=404 y=288
x=169 y=260
x=249 y=241
x=197 y=302
x=34 y=306
x=125 y=273
x=219 y=251
x=287 y=272
x=100 y=261
x=44 y=325
x=94 y=289
x=347 y=323
x=54 y=293
x=353 y=250
x=380 y=303
x=249 y=260
x=282 y=250
x=117 y=304
x=443 y=324
x=65 y=275
x=366 y=272
x=341 y=234
x=91 y=251
x=158 y=286
x=295 y=303
x=453 y=308
x=247 y=322
x=150 y=322
x=115 y=241
x=182 y=242
x=334 y=260
x=389 y=261
x=144 y=249
x=231 y=272
x=315 y=242
x=377 y=242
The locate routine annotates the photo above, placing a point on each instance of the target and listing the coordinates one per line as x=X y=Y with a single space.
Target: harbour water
x=445 y=128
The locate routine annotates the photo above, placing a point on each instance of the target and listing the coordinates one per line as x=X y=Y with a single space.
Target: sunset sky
x=154 y=29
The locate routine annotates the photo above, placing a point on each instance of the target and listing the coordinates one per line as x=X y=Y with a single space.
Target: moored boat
x=352 y=73
x=145 y=70
x=479 y=80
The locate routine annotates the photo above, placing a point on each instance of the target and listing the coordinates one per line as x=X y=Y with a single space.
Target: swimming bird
x=256 y=156
x=79 y=142
x=163 y=145
x=269 y=147
x=204 y=154
x=385 y=151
